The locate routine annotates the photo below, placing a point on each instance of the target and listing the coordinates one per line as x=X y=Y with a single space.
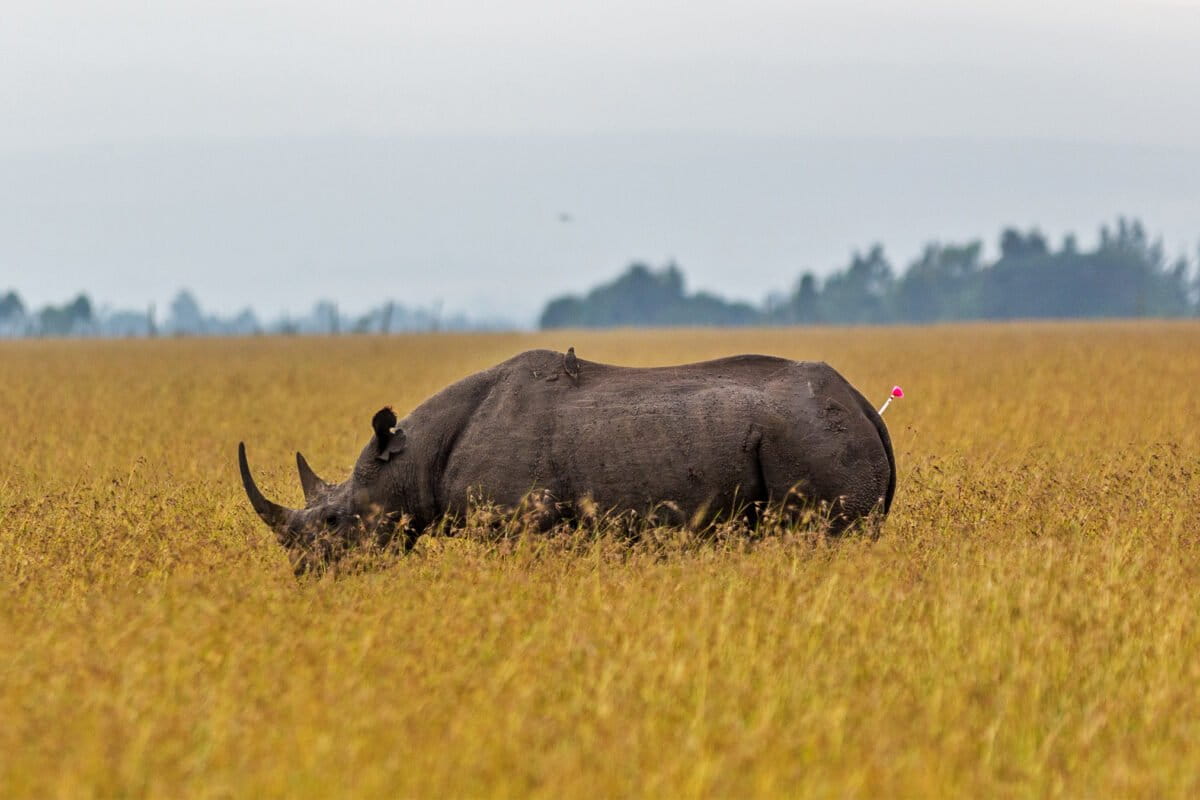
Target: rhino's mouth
x=319 y=534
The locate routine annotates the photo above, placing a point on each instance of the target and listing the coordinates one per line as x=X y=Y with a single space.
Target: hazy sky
x=101 y=103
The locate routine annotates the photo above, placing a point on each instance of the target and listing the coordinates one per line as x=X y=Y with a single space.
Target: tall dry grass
x=1027 y=624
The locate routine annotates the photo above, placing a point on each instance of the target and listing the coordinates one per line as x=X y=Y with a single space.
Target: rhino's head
x=337 y=517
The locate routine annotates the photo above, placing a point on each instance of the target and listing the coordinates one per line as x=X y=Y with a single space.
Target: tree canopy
x=1125 y=275
x=642 y=296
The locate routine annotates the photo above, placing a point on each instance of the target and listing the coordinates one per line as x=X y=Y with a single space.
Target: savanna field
x=1026 y=624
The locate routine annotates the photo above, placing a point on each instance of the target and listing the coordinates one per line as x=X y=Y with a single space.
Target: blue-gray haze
x=492 y=155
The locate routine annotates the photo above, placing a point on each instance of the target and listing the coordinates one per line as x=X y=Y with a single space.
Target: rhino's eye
x=331 y=520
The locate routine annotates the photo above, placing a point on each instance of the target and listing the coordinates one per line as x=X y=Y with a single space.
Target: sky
x=269 y=154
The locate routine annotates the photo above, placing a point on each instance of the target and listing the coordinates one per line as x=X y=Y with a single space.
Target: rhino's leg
x=790 y=491
x=834 y=473
x=541 y=510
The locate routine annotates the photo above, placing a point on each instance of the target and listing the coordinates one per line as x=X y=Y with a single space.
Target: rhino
x=686 y=444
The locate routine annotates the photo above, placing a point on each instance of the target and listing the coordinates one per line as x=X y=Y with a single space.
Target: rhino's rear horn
x=275 y=515
x=312 y=484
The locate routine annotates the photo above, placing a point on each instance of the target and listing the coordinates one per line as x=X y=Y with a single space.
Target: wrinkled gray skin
x=694 y=442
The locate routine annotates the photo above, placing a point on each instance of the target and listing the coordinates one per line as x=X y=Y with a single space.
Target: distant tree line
x=185 y=317
x=1125 y=275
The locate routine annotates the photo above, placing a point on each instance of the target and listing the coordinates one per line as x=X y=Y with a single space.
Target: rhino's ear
x=389 y=439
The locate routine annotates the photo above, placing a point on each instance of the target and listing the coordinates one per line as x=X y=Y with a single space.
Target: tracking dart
x=896 y=394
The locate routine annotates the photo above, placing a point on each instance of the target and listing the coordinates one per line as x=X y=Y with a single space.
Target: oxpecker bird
x=571 y=364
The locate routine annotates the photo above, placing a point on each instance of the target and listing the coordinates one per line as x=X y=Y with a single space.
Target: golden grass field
x=1027 y=624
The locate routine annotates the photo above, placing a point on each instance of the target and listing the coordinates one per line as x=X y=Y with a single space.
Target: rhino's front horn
x=275 y=515
x=311 y=482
